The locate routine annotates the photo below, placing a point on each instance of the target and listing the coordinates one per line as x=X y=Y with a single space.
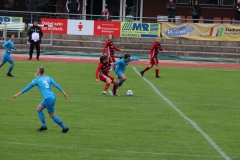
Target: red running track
x=77 y=59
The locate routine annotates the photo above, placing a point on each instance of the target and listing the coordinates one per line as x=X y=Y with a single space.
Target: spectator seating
x=201 y=20
x=189 y=19
x=217 y=20
x=233 y=21
x=226 y=20
x=182 y=19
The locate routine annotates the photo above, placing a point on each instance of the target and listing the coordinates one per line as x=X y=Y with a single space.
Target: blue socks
x=120 y=82
x=41 y=117
x=10 y=69
x=58 y=121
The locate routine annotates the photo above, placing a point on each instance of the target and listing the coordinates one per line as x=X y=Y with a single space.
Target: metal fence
x=29 y=17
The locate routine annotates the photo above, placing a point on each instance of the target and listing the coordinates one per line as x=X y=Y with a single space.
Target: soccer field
x=188 y=114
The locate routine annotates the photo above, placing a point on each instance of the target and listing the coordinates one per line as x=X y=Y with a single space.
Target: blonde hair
x=40 y=71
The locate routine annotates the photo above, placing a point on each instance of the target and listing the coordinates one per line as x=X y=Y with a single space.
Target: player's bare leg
x=146 y=69
x=108 y=82
x=1 y=64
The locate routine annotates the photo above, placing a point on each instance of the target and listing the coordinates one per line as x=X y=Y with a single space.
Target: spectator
x=236 y=8
x=196 y=11
x=106 y=15
x=31 y=7
x=34 y=38
x=171 y=8
x=72 y=8
x=9 y=5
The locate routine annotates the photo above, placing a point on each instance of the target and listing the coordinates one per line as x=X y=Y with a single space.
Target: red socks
x=147 y=68
x=157 y=71
x=115 y=87
x=106 y=86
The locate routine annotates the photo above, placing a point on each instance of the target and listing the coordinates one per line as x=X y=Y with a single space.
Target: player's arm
x=105 y=46
x=98 y=70
x=14 y=47
x=117 y=49
x=161 y=49
x=151 y=50
x=118 y=62
x=134 y=59
x=4 y=46
x=32 y=84
x=58 y=87
x=111 y=67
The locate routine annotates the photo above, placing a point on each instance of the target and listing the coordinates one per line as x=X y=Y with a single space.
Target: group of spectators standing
x=196 y=11
x=73 y=7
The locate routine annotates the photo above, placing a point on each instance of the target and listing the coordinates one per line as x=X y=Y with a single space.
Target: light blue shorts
x=119 y=73
x=7 y=58
x=48 y=103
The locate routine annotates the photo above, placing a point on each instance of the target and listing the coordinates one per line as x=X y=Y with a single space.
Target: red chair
x=217 y=20
x=201 y=20
x=233 y=21
x=226 y=20
x=182 y=18
x=189 y=19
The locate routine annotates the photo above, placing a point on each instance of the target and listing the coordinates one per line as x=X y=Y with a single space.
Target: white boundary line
x=108 y=150
x=218 y=149
x=74 y=100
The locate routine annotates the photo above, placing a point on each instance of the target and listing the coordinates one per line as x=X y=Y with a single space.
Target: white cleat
x=104 y=92
x=111 y=92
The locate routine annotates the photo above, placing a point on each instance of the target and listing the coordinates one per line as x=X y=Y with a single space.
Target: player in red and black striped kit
x=102 y=72
x=153 y=57
x=110 y=46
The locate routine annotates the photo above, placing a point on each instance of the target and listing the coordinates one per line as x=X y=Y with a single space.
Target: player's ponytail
x=40 y=71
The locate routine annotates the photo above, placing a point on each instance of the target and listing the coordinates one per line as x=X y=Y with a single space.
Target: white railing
x=12 y=27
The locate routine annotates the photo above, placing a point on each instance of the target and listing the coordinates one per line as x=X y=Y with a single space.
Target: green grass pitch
x=103 y=127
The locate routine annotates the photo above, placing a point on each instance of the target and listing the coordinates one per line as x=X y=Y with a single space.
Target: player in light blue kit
x=44 y=85
x=121 y=67
x=8 y=46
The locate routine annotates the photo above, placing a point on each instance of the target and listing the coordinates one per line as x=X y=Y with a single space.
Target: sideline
x=218 y=149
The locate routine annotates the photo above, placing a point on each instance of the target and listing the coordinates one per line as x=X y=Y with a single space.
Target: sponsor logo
x=106 y=28
x=144 y=30
x=140 y=27
x=179 y=31
x=218 y=33
x=80 y=26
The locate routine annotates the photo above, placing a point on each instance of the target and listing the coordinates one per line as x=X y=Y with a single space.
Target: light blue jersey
x=122 y=64
x=8 y=45
x=44 y=85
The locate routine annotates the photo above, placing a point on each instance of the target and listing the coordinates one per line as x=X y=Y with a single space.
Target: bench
x=11 y=26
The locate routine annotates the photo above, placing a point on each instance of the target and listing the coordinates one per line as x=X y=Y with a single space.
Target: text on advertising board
x=59 y=26
x=144 y=30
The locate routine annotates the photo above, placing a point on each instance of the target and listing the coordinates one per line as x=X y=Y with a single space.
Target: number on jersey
x=46 y=84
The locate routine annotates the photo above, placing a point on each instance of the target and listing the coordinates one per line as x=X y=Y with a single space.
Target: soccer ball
x=129 y=93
